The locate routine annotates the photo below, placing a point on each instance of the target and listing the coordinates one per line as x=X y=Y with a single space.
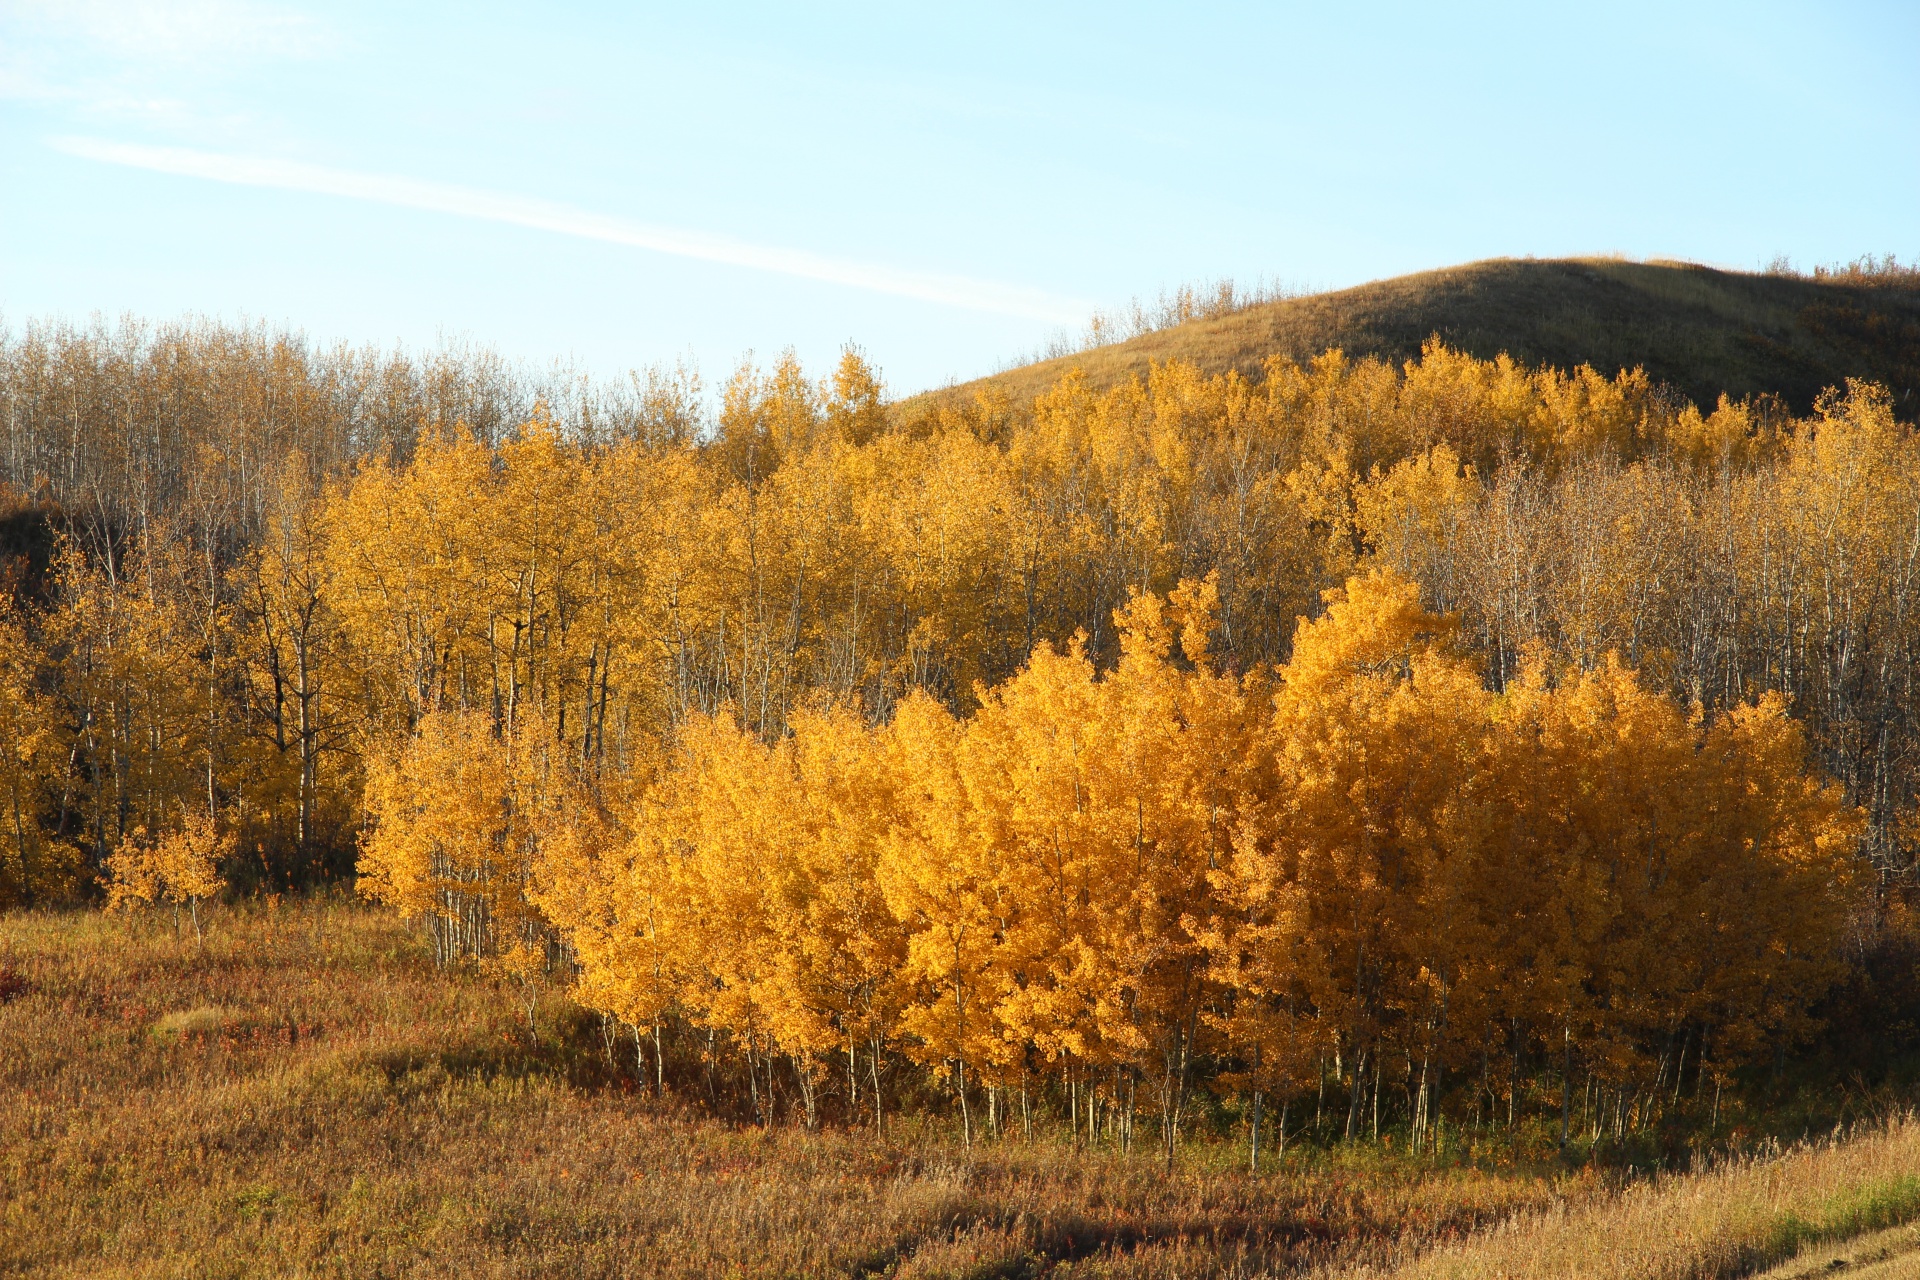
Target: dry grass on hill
x=307 y=1097
x=1700 y=330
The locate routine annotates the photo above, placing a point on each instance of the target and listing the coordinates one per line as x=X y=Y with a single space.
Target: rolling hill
x=1700 y=330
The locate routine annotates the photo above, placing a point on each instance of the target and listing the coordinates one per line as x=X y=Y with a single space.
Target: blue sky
x=619 y=184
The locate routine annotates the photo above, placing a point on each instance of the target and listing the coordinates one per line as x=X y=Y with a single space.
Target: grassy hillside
x=1699 y=330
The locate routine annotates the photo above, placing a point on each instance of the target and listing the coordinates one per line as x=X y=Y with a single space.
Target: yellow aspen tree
x=845 y=947
x=940 y=874
x=1781 y=874
x=1023 y=761
x=186 y=861
x=181 y=866
x=293 y=655
x=1542 y=906
x=1413 y=518
x=727 y=818
x=1187 y=746
x=131 y=675
x=405 y=553
x=447 y=841
x=600 y=882
x=133 y=877
x=719 y=929
x=1370 y=721
x=855 y=403
x=776 y=897
x=1654 y=876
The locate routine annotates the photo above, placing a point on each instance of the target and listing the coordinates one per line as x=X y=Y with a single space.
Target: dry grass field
x=305 y=1096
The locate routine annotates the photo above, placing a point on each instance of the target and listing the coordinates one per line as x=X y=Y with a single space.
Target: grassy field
x=1700 y=330
x=305 y=1096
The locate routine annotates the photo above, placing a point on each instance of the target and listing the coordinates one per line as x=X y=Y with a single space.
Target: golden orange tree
x=180 y=866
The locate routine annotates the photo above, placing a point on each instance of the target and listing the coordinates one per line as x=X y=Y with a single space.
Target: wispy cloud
x=544 y=215
x=172 y=30
x=158 y=64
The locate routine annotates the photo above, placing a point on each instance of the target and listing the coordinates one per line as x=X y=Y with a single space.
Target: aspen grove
x=1359 y=747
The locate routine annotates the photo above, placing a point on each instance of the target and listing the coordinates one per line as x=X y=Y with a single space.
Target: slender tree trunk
x=1513 y=1079
x=1566 y=1083
x=960 y=1087
x=1355 y=1093
x=853 y=1078
x=1418 y=1127
x=1376 y=1098
x=960 y=1046
x=803 y=1076
x=1253 y=1137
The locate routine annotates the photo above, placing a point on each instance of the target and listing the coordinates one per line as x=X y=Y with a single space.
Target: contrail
x=545 y=215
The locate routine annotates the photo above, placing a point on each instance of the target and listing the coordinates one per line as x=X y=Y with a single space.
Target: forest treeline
x=1360 y=722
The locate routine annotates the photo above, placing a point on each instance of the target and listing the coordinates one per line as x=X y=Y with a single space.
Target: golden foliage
x=1107 y=875
x=180 y=866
